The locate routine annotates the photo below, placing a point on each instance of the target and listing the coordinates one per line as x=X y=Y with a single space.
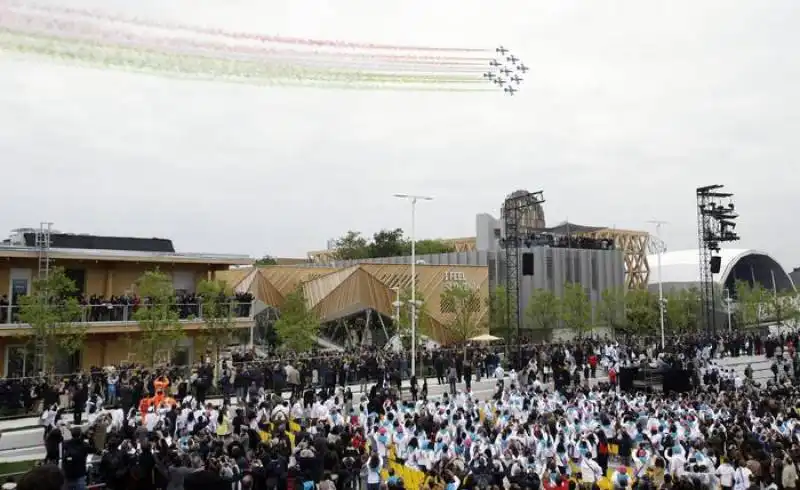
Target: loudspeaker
x=716 y=262
x=527 y=264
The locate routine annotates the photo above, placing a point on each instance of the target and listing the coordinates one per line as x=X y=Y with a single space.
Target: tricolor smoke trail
x=109 y=41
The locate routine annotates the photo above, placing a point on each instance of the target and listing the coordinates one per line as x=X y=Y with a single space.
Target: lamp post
x=728 y=305
x=657 y=246
x=413 y=199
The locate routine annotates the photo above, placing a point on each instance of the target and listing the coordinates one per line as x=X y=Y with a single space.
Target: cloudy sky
x=630 y=105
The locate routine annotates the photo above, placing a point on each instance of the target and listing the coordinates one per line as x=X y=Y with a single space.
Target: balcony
x=110 y=314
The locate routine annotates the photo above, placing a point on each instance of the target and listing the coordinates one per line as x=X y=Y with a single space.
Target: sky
x=628 y=107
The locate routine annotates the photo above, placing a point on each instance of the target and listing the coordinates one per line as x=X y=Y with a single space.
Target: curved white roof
x=683 y=266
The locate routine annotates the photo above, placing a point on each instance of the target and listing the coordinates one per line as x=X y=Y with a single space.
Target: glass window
x=19 y=361
x=19 y=287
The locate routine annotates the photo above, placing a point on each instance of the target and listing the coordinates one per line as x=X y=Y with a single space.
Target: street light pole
x=413 y=199
x=660 y=247
x=728 y=304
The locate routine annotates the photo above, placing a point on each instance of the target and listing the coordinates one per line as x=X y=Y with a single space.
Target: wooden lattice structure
x=634 y=247
x=335 y=293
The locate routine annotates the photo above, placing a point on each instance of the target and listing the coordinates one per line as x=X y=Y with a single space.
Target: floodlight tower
x=716 y=222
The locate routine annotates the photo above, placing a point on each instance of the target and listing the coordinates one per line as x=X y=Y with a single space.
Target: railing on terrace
x=110 y=312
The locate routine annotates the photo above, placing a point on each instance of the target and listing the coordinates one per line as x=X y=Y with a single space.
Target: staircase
x=760 y=364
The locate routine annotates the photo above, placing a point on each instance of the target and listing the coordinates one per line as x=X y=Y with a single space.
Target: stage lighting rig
x=516 y=234
x=716 y=224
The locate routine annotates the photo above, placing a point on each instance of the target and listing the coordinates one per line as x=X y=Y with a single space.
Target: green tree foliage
x=751 y=303
x=576 y=309
x=53 y=312
x=461 y=307
x=158 y=319
x=385 y=243
x=543 y=312
x=611 y=309
x=641 y=310
x=782 y=307
x=497 y=302
x=682 y=311
x=297 y=326
x=266 y=260
x=217 y=314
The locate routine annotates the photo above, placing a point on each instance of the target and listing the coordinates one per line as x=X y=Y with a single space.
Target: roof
x=683 y=266
x=334 y=293
x=11 y=251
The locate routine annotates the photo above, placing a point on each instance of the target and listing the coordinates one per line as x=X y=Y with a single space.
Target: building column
x=109 y=283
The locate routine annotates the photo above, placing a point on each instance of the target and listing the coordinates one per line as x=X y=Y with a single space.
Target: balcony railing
x=121 y=313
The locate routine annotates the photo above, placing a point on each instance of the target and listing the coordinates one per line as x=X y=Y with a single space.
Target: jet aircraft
x=523 y=68
x=494 y=63
x=516 y=79
x=505 y=71
x=510 y=90
x=489 y=75
x=499 y=81
x=501 y=50
x=513 y=59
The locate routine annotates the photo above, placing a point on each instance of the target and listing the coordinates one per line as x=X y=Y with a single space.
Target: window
x=19 y=287
x=594 y=273
x=19 y=361
x=576 y=267
x=549 y=266
x=78 y=277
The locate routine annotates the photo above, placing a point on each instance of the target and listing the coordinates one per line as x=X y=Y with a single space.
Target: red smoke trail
x=248 y=36
x=90 y=31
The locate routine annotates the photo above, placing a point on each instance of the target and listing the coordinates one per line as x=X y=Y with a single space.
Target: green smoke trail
x=220 y=69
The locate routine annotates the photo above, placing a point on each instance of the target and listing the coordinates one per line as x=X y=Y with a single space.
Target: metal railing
x=115 y=312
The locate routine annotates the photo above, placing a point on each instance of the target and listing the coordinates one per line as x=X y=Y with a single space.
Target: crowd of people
x=297 y=422
x=97 y=308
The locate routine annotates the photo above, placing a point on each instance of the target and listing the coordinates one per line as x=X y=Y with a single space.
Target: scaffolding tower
x=42 y=243
x=716 y=222
x=516 y=208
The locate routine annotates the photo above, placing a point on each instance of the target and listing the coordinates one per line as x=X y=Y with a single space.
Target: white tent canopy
x=485 y=338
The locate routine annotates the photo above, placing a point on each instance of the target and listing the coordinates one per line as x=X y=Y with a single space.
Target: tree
x=752 y=302
x=543 y=312
x=782 y=306
x=387 y=243
x=158 y=319
x=266 y=260
x=52 y=310
x=576 y=309
x=430 y=247
x=297 y=327
x=641 y=311
x=497 y=302
x=384 y=243
x=461 y=306
x=352 y=246
x=681 y=310
x=217 y=314
x=611 y=309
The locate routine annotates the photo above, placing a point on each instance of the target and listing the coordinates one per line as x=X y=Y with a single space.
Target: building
x=489 y=233
x=681 y=269
x=104 y=267
x=632 y=243
x=356 y=302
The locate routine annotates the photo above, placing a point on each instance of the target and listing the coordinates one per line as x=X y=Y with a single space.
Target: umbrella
x=485 y=338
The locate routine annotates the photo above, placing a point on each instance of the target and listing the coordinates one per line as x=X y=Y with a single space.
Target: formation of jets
x=506 y=72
